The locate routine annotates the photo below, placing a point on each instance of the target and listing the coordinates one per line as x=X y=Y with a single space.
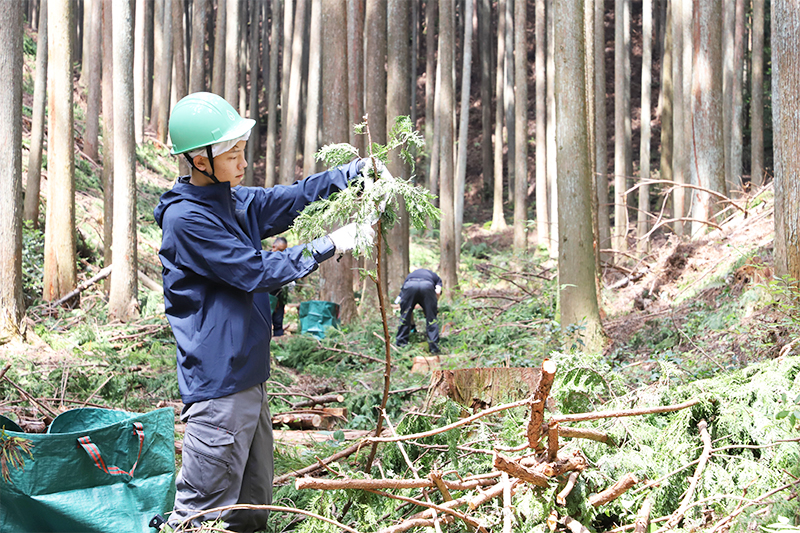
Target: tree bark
x=576 y=259
x=311 y=143
x=218 y=66
x=521 y=127
x=34 y=177
x=668 y=58
x=679 y=155
x=336 y=276
x=164 y=62
x=786 y=112
x=498 y=218
x=179 y=50
x=375 y=70
x=286 y=59
x=59 y=238
x=737 y=126
x=122 y=300
x=242 y=58
x=708 y=170
x=757 y=97
x=431 y=13
x=552 y=244
x=12 y=306
x=138 y=71
x=108 y=132
x=463 y=128
x=447 y=242
x=398 y=102
x=621 y=115
x=509 y=96
x=197 y=73
x=644 y=148
x=485 y=50
x=291 y=114
x=232 y=53
x=542 y=208
x=355 y=57
x=92 y=80
x=270 y=171
x=601 y=131
x=253 y=144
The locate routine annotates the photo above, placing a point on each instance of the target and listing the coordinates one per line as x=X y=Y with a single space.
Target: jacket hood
x=216 y=197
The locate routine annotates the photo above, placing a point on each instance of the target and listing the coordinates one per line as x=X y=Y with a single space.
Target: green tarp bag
x=316 y=316
x=95 y=470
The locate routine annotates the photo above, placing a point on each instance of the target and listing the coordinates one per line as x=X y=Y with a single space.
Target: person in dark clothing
x=281 y=295
x=217 y=280
x=421 y=287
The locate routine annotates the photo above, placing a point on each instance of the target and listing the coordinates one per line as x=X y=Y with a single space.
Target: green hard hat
x=201 y=119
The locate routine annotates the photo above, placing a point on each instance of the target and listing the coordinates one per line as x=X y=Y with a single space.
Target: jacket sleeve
x=204 y=246
x=277 y=207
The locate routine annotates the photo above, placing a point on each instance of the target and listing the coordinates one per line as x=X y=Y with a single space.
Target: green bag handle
x=94 y=452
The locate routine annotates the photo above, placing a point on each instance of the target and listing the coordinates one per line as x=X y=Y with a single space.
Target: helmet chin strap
x=210 y=162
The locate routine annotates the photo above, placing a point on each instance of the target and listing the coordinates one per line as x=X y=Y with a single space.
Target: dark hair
x=280 y=240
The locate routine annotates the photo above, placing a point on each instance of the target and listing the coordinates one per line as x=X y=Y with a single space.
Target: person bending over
x=421 y=287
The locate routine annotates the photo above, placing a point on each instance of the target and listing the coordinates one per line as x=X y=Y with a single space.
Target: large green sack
x=95 y=470
x=316 y=316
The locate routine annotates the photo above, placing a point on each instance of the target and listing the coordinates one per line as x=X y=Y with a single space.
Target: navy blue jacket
x=217 y=278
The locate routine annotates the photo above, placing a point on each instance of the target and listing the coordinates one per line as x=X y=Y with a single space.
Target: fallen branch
x=581 y=417
x=30 y=397
x=561 y=497
x=584 y=433
x=537 y=402
x=186 y=524
x=434 y=507
x=347 y=452
x=318 y=400
x=104 y=273
x=379 y=484
x=337 y=350
x=529 y=475
x=614 y=491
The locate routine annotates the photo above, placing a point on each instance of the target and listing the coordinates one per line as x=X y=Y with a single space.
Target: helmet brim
x=240 y=129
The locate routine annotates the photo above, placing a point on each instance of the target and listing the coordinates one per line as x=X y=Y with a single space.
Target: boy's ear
x=200 y=162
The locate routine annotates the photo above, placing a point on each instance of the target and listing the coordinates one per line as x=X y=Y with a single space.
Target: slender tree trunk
x=291 y=114
x=37 y=123
x=433 y=175
x=551 y=131
x=601 y=131
x=644 y=149
x=498 y=218
x=447 y=242
x=786 y=113
x=272 y=98
x=576 y=256
x=288 y=28
x=542 y=208
x=355 y=82
x=375 y=69
x=92 y=80
x=165 y=73
x=728 y=52
x=621 y=110
x=197 y=73
x=521 y=128
x=687 y=151
x=757 y=97
x=431 y=13
x=232 y=53
x=666 y=99
x=59 y=237
x=108 y=134
x=218 y=69
x=12 y=306
x=138 y=72
x=314 y=86
x=179 y=50
x=679 y=155
x=242 y=58
x=398 y=102
x=485 y=50
x=253 y=145
x=509 y=97
x=461 y=166
x=158 y=57
x=336 y=276
x=709 y=166
x=738 y=83
x=149 y=57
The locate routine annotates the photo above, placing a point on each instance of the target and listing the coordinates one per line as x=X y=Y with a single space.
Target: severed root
x=614 y=491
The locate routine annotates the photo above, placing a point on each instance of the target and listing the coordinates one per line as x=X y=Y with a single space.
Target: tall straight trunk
x=757 y=97
x=178 y=50
x=33 y=182
x=485 y=50
x=375 y=68
x=687 y=150
x=498 y=218
x=336 y=276
x=232 y=53
x=286 y=58
x=414 y=57
x=644 y=149
x=122 y=298
x=521 y=127
x=398 y=102
x=138 y=72
x=447 y=240
x=12 y=306
x=786 y=112
x=243 y=59
x=542 y=208
x=253 y=145
x=679 y=155
x=626 y=31
x=709 y=165
x=508 y=96
x=355 y=58
x=59 y=238
x=149 y=57
x=621 y=110
x=431 y=13
x=108 y=133
x=666 y=99
x=291 y=114
x=158 y=60
x=165 y=74
x=576 y=258
x=737 y=115
x=218 y=67
x=92 y=64
x=728 y=52
x=270 y=172
x=197 y=74
x=314 y=86
x=601 y=131
x=552 y=245
x=461 y=166
x=433 y=174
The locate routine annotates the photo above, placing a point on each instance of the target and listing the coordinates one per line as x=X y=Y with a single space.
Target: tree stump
x=479 y=388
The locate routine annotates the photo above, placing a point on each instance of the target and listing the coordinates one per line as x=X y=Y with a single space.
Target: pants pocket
x=207 y=458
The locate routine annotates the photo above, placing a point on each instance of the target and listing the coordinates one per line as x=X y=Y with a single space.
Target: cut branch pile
x=543 y=465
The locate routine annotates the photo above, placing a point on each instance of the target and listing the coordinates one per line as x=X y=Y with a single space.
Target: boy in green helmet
x=217 y=281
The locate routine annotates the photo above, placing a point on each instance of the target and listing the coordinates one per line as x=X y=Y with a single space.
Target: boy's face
x=228 y=167
x=278 y=246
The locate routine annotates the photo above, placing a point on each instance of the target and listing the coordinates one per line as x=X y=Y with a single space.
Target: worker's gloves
x=397 y=300
x=438 y=290
x=379 y=192
x=353 y=236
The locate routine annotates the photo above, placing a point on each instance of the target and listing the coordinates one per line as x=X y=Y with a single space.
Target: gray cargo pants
x=227 y=460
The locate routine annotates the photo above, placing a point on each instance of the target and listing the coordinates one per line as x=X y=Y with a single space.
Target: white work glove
x=386 y=181
x=397 y=300
x=290 y=286
x=352 y=236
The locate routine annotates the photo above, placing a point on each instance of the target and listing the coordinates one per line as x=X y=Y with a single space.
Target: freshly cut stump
x=479 y=388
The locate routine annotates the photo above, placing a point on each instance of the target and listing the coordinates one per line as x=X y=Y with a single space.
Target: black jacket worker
x=421 y=287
